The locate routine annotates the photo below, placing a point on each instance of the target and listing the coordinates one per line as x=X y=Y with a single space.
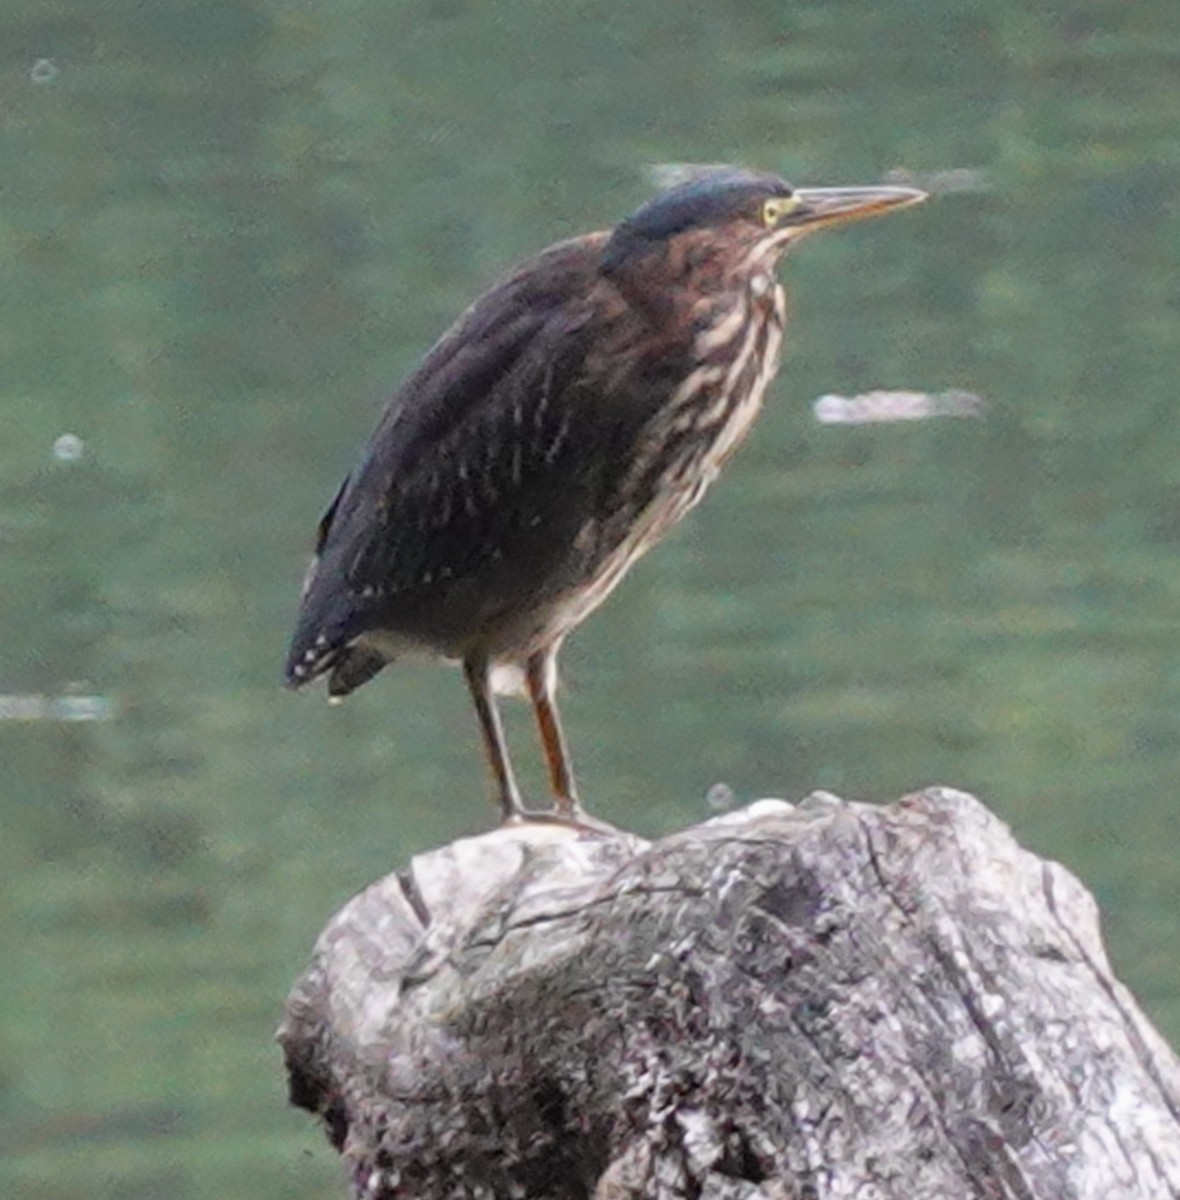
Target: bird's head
x=730 y=222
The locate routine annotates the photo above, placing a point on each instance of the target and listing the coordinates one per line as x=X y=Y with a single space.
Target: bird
x=553 y=434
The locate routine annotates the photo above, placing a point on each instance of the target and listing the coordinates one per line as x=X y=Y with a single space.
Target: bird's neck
x=697 y=298
x=750 y=299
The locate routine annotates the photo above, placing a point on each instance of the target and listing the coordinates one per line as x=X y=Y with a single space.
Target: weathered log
x=822 y=1000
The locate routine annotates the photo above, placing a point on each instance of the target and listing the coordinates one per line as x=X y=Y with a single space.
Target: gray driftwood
x=828 y=1000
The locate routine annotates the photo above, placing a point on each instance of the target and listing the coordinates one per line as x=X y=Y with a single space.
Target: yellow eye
x=777 y=207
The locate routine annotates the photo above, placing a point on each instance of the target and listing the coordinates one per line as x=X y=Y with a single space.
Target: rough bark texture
x=822 y=1000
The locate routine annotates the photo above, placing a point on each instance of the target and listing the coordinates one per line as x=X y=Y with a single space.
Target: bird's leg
x=475 y=671
x=541 y=676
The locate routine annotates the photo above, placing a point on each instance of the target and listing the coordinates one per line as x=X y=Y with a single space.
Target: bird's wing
x=325 y=525
x=481 y=440
x=462 y=371
x=458 y=372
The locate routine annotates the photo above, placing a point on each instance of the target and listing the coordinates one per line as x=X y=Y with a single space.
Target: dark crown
x=709 y=199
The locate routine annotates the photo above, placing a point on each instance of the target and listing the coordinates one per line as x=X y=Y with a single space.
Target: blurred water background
x=227 y=228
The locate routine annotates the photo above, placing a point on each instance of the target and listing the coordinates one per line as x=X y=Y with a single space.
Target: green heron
x=568 y=419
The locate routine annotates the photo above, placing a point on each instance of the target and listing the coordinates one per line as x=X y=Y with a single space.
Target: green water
x=226 y=229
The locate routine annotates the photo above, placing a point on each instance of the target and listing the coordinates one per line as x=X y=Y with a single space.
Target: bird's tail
x=347 y=667
x=353 y=666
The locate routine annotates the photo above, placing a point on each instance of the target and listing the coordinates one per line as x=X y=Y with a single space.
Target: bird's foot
x=575 y=818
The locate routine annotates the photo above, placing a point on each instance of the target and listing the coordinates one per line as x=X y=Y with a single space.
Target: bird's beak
x=815 y=208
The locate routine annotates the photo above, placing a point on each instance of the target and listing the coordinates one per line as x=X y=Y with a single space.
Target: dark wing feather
x=325 y=525
x=480 y=440
x=467 y=363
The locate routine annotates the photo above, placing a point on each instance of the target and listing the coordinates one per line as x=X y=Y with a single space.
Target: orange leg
x=541 y=676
